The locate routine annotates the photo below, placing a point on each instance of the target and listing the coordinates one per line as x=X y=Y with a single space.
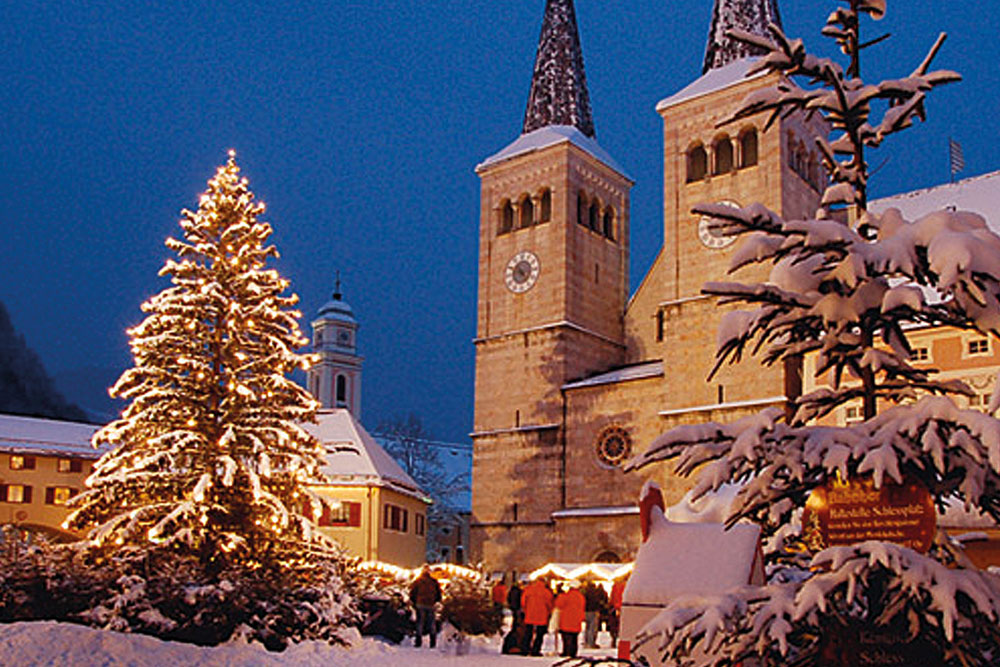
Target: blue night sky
x=360 y=124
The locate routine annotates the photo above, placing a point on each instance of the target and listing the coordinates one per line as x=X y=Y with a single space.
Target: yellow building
x=43 y=463
x=379 y=512
x=573 y=375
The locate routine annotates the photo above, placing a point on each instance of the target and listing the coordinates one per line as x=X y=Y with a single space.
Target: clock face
x=710 y=235
x=344 y=337
x=522 y=272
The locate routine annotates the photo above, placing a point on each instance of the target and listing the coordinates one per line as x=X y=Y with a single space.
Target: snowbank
x=65 y=645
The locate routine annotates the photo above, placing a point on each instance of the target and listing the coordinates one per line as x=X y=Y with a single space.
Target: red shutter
x=324 y=517
x=27 y=494
x=50 y=495
x=354 y=514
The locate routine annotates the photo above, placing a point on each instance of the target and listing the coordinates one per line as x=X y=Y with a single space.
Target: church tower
x=710 y=160
x=335 y=379
x=553 y=281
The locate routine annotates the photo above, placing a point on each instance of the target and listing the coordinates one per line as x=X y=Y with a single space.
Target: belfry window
x=609 y=223
x=506 y=217
x=723 y=150
x=546 y=213
x=341 y=391
x=595 y=215
x=527 y=212
x=697 y=164
x=581 y=209
x=748 y=148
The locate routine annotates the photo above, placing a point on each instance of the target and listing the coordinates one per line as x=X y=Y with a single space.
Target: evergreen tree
x=847 y=292
x=209 y=452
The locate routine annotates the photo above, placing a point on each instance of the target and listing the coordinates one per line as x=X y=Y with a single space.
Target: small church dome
x=337 y=309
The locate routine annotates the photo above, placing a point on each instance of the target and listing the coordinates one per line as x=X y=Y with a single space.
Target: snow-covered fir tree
x=846 y=290
x=205 y=486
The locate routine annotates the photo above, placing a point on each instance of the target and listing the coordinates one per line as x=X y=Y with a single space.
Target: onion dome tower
x=335 y=379
x=751 y=16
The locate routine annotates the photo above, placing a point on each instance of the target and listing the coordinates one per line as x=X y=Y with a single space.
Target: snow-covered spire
x=751 y=16
x=559 y=86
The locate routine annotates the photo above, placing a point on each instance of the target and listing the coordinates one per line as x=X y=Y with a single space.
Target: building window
x=69 y=465
x=853 y=414
x=58 y=495
x=697 y=164
x=506 y=217
x=660 y=318
x=445 y=554
x=15 y=493
x=921 y=354
x=581 y=209
x=614 y=446
x=980 y=401
x=21 y=462
x=459 y=555
x=341 y=391
x=609 y=223
x=419 y=524
x=723 y=150
x=527 y=212
x=546 y=213
x=748 y=148
x=594 y=216
x=395 y=518
x=979 y=346
x=340 y=513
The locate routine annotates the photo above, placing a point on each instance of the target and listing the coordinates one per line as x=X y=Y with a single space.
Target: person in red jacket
x=572 y=610
x=537 y=603
x=614 y=624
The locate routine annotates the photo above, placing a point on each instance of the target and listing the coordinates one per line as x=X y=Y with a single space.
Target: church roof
x=337 y=309
x=714 y=80
x=51 y=437
x=979 y=194
x=551 y=136
x=353 y=458
x=751 y=16
x=559 y=86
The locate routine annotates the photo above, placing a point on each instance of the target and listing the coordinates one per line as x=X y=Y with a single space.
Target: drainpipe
x=562 y=458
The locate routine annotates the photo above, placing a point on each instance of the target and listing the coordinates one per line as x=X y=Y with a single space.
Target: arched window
x=506 y=217
x=609 y=223
x=341 y=391
x=697 y=163
x=723 y=150
x=581 y=209
x=527 y=212
x=595 y=216
x=748 y=148
x=546 y=212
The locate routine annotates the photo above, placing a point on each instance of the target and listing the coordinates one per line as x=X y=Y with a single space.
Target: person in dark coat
x=596 y=600
x=425 y=592
x=514 y=603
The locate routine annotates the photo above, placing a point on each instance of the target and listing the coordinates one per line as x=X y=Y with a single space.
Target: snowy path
x=64 y=645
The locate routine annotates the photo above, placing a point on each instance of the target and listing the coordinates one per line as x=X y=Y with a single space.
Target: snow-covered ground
x=63 y=645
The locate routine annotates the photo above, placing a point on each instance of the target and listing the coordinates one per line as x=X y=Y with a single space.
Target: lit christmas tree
x=201 y=507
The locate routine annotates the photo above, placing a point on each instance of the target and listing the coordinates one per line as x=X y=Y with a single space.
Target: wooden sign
x=846 y=512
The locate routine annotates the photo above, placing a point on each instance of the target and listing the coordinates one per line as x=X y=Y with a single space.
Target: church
x=573 y=374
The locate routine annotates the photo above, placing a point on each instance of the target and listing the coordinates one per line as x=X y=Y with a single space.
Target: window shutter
x=3 y=493
x=76 y=465
x=50 y=495
x=406 y=518
x=354 y=519
x=324 y=517
x=29 y=462
x=27 y=494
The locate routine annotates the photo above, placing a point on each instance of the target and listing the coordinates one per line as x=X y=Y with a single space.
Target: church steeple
x=559 y=86
x=751 y=16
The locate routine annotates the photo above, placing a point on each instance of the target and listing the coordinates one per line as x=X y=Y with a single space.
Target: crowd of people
x=547 y=605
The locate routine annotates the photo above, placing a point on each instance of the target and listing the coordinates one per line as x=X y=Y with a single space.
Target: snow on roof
x=606 y=571
x=622 y=510
x=716 y=79
x=552 y=135
x=691 y=558
x=35 y=435
x=979 y=194
x=353 y=457
x=636 y=372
